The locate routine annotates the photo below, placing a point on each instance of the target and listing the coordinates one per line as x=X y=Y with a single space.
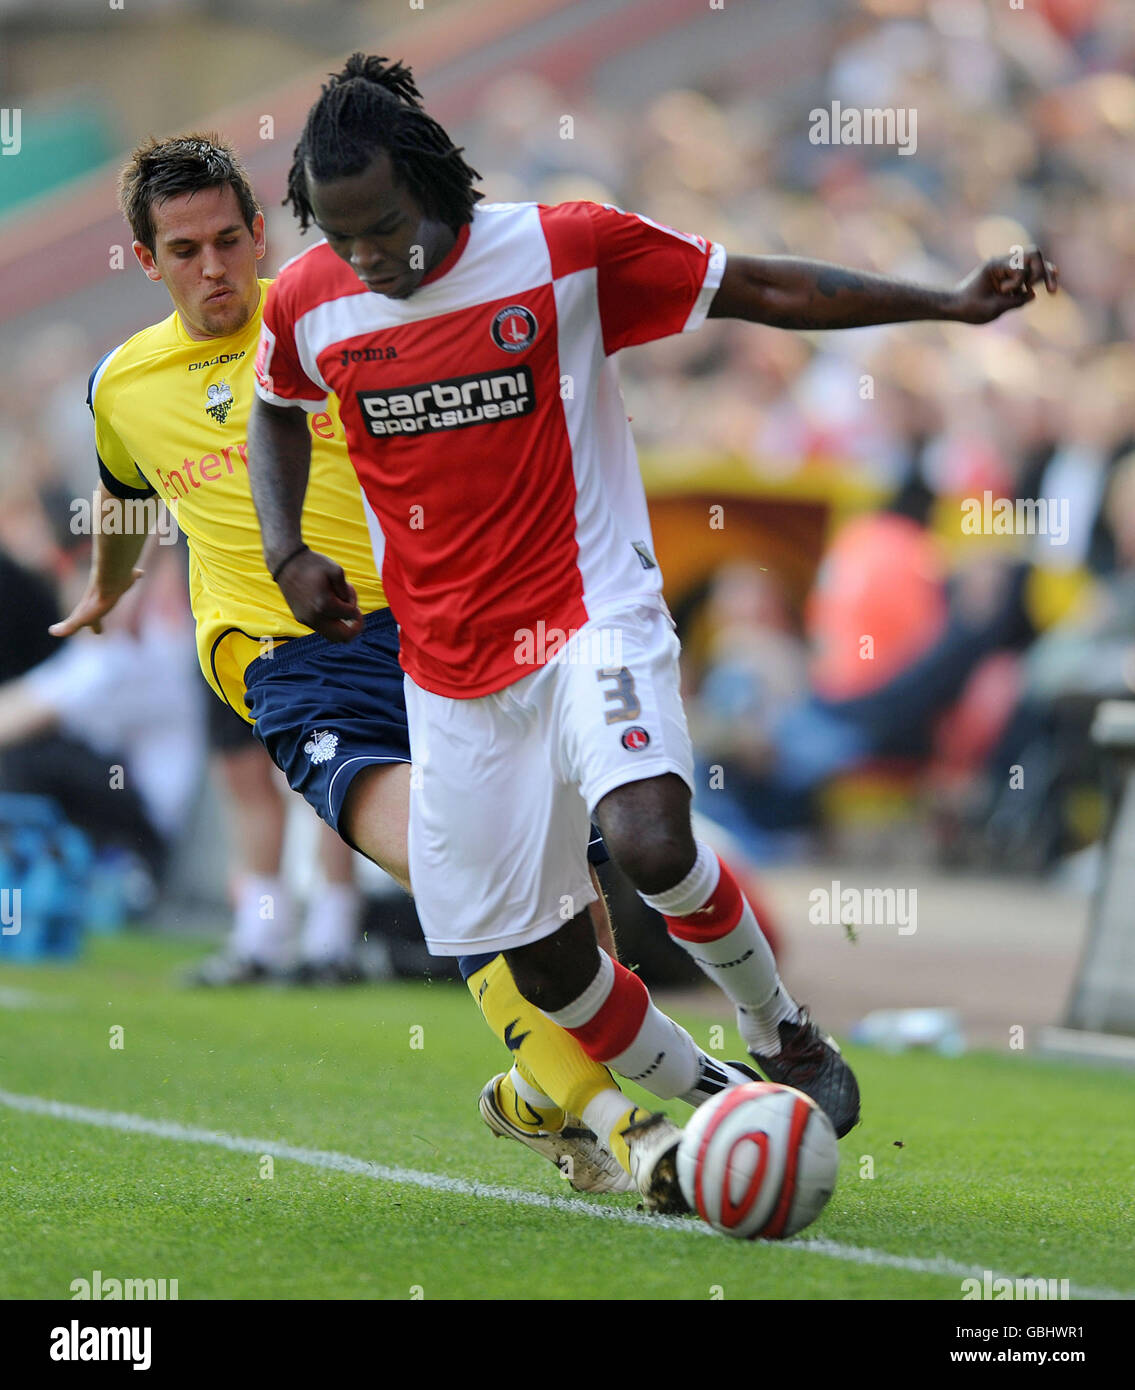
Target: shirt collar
x=451 y=258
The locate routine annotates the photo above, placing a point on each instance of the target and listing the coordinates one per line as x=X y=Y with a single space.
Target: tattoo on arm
x=862 y=298
x=833 y=278
x=792 y=292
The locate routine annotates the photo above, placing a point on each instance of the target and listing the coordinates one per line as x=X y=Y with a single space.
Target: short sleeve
x=280 y=376
x=119 y=473
x=653 y=281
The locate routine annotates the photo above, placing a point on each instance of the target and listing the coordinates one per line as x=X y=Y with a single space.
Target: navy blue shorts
x=327 y=710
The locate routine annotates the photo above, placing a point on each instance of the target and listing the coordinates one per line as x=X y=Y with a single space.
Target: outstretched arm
x=787 y=292
x=279 y=459
x=114 y=559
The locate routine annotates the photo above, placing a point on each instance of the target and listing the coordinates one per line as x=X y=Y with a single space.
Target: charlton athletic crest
x=636 y=739
x=220 y=401
x=321 y=746
x=514 y=328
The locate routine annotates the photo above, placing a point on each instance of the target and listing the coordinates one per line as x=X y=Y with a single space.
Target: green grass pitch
x=1006 y=1163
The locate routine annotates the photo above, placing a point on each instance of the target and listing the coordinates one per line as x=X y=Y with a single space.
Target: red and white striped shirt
x=484 y=420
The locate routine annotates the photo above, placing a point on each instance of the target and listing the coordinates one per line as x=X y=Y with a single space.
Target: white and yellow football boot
x=582 y=1160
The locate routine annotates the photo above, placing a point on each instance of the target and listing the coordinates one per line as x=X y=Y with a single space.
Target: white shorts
x=503 y=786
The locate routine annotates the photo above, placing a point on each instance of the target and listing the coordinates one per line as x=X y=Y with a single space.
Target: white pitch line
x=438 y=1182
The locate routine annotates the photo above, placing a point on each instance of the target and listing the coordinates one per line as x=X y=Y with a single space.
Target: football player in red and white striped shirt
x=470 y=348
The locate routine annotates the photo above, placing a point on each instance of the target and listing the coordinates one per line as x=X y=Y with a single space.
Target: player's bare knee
x=554 y=971
x=375 y=814
x=646 y=825
x=656 y=858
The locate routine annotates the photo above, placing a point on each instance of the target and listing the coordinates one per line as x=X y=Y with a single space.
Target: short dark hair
x=373 y=105
x=161 y=169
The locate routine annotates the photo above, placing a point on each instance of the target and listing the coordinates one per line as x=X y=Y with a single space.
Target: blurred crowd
x=987 y=652
x=990 y=646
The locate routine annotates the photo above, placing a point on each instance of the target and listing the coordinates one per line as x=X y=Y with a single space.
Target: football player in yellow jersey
x=171 y=408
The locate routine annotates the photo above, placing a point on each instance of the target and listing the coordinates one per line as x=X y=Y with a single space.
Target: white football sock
x=759 y=1026
x=740 y=960
x=262 y=924
x=662 y=1056
x=331 y=929
x=603 y=1112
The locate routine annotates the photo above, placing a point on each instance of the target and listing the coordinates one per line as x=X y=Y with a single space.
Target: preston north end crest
x=321 y=746
x=220 y=401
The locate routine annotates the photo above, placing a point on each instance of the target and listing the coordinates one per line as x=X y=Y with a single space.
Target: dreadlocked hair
x=373 y=105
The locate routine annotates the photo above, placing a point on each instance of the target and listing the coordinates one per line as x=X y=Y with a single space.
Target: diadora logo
x=451 y=404
x=321 y=746
x=220 y=401
x=514 y=328
x=218 y=361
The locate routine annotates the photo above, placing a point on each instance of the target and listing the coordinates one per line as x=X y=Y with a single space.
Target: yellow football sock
x=526 y=1105
x=548 y=1059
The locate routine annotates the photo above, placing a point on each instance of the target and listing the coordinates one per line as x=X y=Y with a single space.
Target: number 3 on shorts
x=622 y=695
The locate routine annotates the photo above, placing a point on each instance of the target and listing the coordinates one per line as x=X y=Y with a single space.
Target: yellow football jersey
x=171 y=417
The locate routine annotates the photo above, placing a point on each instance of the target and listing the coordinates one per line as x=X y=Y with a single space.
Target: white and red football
x=758 y=1162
